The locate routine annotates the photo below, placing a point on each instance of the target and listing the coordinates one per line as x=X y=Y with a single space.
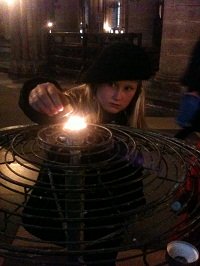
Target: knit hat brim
x=119 y=61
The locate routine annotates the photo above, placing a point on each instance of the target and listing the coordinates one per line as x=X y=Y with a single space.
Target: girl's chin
x=113 y=110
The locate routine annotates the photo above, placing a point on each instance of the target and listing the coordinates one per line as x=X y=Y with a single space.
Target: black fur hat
x=119 y=61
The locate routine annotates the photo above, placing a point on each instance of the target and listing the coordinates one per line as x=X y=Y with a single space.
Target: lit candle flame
x=75 y=123
x=50 y=24
x=10 y=2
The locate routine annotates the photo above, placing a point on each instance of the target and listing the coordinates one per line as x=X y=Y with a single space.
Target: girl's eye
x=112 y=84
x=128 y=88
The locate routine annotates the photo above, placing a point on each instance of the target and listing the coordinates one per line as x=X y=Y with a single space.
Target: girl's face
x=116 y=96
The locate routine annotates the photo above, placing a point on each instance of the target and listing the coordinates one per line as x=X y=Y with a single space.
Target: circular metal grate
x=81 y=197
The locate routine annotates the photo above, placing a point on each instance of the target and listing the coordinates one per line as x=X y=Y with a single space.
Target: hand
x=46 y=98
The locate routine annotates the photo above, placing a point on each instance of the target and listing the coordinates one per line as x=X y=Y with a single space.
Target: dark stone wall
x=179 y=35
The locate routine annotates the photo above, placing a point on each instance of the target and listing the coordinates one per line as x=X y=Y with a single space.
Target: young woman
x=112 y=92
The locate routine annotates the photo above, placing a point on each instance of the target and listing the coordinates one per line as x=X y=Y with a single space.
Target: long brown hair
x=135 y=111
x=87 y=104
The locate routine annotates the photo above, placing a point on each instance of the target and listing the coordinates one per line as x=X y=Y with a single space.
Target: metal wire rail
x=113 y=191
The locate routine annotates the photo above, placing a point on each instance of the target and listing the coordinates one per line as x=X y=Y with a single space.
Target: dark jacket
x=190 y=79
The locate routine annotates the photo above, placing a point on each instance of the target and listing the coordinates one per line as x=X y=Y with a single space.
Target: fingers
x=46 y=98
x=55 y=96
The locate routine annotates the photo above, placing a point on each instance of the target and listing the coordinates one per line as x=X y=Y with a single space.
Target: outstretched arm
x=42 y=100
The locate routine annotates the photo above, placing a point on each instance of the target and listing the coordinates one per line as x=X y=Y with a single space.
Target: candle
x=75 y=123
x=74 y=131
x=74 y=135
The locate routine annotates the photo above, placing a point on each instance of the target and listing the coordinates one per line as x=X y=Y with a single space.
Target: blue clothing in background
x=189 y=105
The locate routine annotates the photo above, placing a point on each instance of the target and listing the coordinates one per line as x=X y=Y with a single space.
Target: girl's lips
x=115 y=105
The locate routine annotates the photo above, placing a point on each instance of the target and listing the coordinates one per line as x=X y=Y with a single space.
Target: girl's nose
x=117 y=94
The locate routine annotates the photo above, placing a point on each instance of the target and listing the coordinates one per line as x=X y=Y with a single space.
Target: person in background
x=189 y=112
x=189 y=120
x=111 y=91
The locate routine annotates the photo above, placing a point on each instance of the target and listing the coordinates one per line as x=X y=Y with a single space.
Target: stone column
x=28 y=36
x=96 y=16
x=181 y=30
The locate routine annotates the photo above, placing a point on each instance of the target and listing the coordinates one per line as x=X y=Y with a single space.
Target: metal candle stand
x=116 y=157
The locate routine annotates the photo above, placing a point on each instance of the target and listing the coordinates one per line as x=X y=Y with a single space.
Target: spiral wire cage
x=108 y=190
